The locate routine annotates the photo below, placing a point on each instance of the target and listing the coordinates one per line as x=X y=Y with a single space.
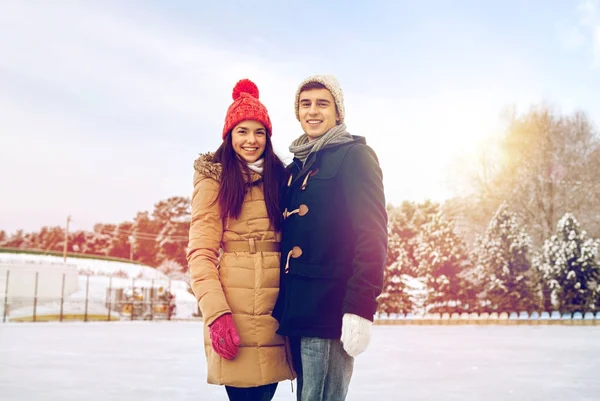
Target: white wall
x=21 y=280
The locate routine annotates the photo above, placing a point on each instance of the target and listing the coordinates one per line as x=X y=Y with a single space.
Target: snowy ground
x=148 y=361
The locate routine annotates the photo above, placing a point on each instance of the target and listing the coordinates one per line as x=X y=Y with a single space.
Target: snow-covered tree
x=17 y=240
x=49 y=238
x=98 y=241
x=174 y=270
x=568 y=263
x=395 y=298
x=503 y=267
x=120 y=244
x=441 y=257
x=173 y=217
x=145 y=232
x=404 y=224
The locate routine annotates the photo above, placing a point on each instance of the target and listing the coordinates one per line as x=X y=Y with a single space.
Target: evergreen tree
x=404 y=224
x=395 y=298
x=568 y=263
x=441 y=257
x=502 y=260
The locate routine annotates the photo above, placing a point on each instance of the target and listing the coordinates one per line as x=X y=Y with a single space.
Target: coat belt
x=251 y=246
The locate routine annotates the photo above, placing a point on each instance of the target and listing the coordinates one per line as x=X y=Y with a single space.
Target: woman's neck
x=257 y=166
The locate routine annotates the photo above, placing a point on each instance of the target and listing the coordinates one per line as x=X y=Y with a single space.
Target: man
x=334 y=241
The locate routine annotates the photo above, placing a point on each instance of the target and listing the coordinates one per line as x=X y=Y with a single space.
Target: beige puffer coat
x=243 y=283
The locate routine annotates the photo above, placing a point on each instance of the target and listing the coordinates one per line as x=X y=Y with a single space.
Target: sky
x=104 y=105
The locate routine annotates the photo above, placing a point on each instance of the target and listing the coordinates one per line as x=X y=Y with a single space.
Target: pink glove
x=224 y=336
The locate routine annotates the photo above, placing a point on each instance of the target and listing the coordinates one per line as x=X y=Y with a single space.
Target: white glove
x=356 y=334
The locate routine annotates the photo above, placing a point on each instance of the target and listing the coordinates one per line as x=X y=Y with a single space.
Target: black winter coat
x=334 y=241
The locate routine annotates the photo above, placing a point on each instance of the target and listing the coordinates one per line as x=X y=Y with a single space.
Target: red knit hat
x=246 y=106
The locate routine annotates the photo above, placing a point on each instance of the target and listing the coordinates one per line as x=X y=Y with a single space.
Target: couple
x=287 y=263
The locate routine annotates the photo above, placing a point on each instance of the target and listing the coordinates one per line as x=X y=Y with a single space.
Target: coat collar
x=205 y=166
x=335 y=153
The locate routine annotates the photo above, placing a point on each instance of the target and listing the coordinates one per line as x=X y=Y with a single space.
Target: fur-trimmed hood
x=205 y=166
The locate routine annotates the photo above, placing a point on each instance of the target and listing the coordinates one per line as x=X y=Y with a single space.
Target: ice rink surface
x=152 y=361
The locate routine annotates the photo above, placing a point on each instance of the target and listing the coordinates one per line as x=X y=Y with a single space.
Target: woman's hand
x=224 y=336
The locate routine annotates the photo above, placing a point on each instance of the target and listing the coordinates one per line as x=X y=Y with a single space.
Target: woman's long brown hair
x=233 y=186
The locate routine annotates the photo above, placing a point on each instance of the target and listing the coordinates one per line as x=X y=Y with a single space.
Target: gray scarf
x=302 y=148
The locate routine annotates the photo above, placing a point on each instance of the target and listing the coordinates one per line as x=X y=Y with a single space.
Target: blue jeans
x=324 y=369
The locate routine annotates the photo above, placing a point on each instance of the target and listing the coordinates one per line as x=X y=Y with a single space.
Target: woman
x=233 y=252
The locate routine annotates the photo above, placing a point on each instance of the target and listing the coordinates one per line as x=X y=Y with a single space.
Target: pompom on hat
x=246 y=106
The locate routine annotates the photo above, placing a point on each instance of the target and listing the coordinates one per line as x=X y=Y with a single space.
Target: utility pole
x=66 y=239
x=131 y=238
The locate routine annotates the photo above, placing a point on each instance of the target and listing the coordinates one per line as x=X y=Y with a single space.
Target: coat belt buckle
x=252 y=245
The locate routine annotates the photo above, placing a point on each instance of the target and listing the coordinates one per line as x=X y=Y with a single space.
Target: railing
x=502 y=318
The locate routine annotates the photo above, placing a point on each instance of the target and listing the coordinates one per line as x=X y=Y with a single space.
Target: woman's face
x=249 y=139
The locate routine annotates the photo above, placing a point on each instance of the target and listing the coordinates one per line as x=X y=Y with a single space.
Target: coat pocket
x=316 y=293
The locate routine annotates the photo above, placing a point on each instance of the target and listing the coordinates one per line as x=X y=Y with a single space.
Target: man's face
x=317 y=112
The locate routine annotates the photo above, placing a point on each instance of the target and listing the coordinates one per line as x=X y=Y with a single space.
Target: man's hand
x=224 y=336
x=356 y=334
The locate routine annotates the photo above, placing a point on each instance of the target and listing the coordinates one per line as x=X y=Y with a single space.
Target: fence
x=115 y=298
x=108 y=299
x=503 y=318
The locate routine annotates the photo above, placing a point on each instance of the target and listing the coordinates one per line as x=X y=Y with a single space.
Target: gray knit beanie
x=332 y=84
